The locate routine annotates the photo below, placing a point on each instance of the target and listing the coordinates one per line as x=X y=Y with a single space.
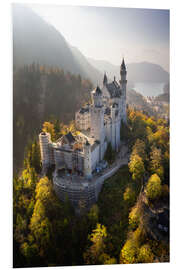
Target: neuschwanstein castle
x=98 y=123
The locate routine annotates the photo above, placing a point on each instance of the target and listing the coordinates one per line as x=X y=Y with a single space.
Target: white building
x=99 y=123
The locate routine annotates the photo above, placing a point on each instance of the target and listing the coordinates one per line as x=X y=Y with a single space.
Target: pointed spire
x=105 y=79
x=98 y=90
x=123 y=66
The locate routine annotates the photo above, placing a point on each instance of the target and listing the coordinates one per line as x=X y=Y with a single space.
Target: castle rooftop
x=113 y=89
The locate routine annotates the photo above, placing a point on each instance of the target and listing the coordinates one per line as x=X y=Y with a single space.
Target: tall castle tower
x=44 y=141
x=123 y=84
x=97 y=119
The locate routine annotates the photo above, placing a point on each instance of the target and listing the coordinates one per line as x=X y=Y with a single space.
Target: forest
x=128 y=224
x=42 y=93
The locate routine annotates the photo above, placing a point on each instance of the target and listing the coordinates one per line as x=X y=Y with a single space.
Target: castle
x=99 y=123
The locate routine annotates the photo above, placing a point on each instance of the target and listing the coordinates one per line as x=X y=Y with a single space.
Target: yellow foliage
x=153 y=187
x=145 y=254
x=49 y=128
x=134 y=216
x=129 y=252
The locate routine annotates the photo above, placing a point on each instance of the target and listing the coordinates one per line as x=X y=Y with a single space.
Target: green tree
x=125 y=133
x=93 y=215
x=33 y=158
x=109 y=155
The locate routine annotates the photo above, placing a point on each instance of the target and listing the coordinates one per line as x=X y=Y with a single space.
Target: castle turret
x=45 y=141
x=87 y=160
x=97 y=119
x=96 y=96
x=97 y=115
x=123 y=84
x=123 y=73
x=105 y=80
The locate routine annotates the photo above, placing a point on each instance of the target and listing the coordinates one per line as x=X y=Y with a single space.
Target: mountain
x=137 y=72
x=165 y=96
x=93 y=73
x=34 y=40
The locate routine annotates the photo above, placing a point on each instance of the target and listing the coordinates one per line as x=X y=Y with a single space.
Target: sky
x=106 y=33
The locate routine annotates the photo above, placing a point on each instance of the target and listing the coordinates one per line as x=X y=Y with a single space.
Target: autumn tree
x=145 y=254
x=136 y=167
x=153 y=187
x=129 y=195
x=129 y=252
x=49 y=127
x=95 y=254
x=96 y=249
x=139 y=149
x=134 y=216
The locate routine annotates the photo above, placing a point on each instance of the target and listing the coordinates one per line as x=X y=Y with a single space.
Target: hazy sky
x=110 y=33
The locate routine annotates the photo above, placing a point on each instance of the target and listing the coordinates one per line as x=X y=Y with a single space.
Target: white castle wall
x=109 y=130
x=97 y=123
x=59 y=158
x=82 y=120
x=87 y=160
x=95 y=158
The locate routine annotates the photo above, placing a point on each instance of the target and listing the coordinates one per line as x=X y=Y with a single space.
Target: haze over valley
x=35 y=40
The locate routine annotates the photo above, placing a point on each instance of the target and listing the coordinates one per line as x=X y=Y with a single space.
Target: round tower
x=97 y=119
x=44 y=141
x=87 y=160
x=97 y=115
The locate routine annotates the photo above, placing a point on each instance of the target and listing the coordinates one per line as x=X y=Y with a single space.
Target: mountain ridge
x=35 y=40
x=137 y=72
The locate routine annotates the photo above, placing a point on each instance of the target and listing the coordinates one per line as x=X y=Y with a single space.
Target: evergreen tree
x=109 y=155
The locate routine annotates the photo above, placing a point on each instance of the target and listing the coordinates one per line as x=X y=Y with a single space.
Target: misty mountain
x=94 y=74
x=34 y=40
x=137 y=72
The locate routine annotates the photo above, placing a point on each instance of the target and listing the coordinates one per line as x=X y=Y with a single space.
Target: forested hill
x=34 y=40
x=41 y=93
x=128 y=224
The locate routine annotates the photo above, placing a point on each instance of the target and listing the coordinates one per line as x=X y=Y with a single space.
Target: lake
x=149 y=89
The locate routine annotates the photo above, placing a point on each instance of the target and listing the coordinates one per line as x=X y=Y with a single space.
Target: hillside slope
x=34 y=40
